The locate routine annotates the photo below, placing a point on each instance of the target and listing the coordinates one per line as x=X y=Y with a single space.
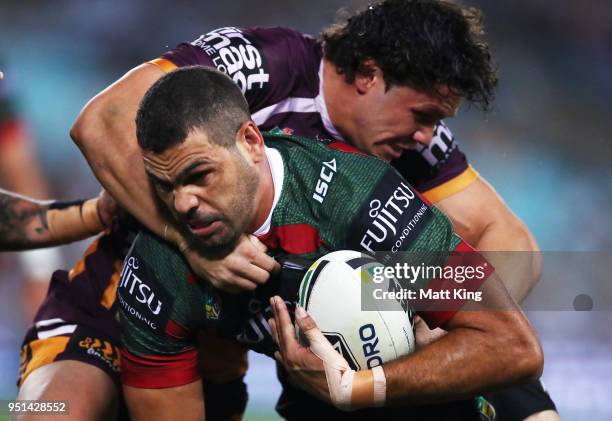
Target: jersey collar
x=275 y=161
x=322 y=109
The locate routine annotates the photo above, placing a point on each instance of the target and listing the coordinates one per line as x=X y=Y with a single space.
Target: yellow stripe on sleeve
x=166 y=65
x=110 y=293
x=452 y=186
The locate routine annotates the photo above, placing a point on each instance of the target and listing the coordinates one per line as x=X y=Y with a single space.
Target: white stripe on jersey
x=48 y=322
x=288 y=105
x=62 y=330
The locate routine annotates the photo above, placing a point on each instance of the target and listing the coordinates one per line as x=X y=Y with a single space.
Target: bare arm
x=182 y=402
x=105 y=131
x=481 y=218
x=484 y=349
x=24 y=222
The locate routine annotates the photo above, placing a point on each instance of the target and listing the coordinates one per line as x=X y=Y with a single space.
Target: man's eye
x=197 y=178
x=425 y=119
x=163 y=187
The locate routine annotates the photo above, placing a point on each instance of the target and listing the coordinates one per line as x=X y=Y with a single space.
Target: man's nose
x=184 y=201
x=424 y=134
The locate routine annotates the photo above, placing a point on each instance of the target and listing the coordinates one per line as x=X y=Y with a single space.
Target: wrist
x=369 y=388
x=72 y=221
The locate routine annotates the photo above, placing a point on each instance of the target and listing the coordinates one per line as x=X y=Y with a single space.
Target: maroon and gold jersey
x=279 y=71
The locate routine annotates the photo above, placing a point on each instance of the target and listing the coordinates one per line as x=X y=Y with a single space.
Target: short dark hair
x=186 y=99
x=418 y=43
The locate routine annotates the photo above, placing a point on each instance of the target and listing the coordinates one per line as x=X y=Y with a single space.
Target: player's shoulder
x=306 y=157
x=250 y=47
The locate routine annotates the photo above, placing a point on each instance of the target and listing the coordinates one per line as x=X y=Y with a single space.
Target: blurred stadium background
x=546 y=146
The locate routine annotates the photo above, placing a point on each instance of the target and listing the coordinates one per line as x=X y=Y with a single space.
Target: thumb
x=319 y=345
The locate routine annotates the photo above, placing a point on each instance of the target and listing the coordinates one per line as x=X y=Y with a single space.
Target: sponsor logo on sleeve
x=235 y=55
x=390 y=219
x=441 y=146
x=141 y=296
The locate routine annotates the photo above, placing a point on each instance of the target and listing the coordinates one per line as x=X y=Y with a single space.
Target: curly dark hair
x=418 y=43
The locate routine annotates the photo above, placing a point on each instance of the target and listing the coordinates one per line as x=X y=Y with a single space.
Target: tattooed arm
x=26 y=223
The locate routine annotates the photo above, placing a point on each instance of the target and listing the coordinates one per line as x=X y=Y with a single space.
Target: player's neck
x=336 y=93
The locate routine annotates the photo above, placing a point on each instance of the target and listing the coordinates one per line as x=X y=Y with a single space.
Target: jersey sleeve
x=266 y=63
x=438 y=170
x=398 y=225
x=158 y=345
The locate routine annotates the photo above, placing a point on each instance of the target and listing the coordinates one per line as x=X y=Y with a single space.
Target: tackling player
x=211 y=170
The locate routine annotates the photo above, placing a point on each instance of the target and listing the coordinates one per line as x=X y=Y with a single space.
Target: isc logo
x=367 y=333
x=327 y=173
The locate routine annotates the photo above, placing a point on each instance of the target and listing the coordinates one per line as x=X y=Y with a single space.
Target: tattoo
x=23 y=222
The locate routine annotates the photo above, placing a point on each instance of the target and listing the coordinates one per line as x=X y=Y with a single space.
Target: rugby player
x=299 y=85
x=210 y=169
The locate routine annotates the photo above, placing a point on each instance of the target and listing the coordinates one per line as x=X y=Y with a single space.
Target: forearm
x=514 y=253
x=105 y=132
x=482 y=219
x=21 y=223
x=461 y=364
x=26 y=223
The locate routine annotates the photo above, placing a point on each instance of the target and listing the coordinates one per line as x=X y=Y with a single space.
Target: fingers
x=250 y=260
x=237 y=285
x=273 y=326
x=284 y=326
x=255 y=241
x=266 y=262
x=304 y=321
x=261 y=259
x=253 y=273
x=319 y=345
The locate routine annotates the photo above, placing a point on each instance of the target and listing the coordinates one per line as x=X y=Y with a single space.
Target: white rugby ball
x=331 y=292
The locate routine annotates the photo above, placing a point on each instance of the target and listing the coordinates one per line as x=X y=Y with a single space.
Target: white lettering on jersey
x=233 y=54
x=442 y=144
x=325 y=177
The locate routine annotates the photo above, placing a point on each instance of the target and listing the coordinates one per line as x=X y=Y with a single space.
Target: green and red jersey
x=327 y=197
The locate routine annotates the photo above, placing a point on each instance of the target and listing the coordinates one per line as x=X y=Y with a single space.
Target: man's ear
x=250 y=142
x=368 y=75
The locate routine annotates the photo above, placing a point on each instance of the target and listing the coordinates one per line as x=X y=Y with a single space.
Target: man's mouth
x=391 y=151
x=203 y=228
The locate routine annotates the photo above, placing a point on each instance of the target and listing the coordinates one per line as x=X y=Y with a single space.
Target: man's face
x=387 y=123
x=208 y=187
